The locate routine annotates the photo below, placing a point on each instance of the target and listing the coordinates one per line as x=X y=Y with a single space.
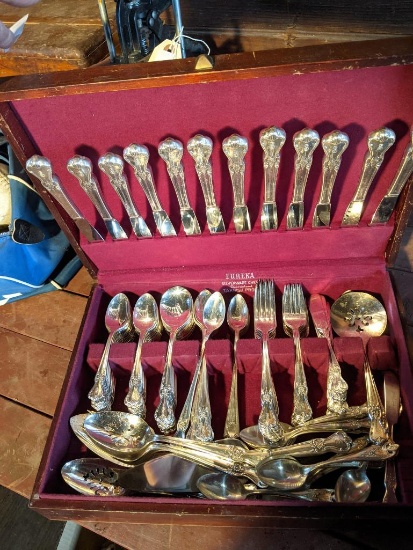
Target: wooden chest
x=357 y=88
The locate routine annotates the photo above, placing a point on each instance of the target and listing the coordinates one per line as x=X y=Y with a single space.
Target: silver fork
x=296 y=325
x=264 y=326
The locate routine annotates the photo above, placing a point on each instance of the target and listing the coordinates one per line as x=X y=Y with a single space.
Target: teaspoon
x=353 y=485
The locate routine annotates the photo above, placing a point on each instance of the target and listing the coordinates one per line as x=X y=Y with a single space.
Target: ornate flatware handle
x=390 y=482
x=82 y=169
x=378 y=144
x=201 y=416
x=200 y=149
x=112 y=166
x=268 y=422
x=185 y=416
x=232 y=428
x=235 y=148
x=305 y=143
x=403 y=173
x=271 y=140
x=334 y=144
x=138 y=157
x=136 y=396
x=41 y=168
x=302 y=411
x=379 y=431
x=171 y=151
x=165 y=412
x=103 y=391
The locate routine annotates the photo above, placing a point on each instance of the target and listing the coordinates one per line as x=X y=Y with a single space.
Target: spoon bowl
x=353 y=486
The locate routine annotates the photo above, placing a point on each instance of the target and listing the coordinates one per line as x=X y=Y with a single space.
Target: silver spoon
x=353 y=485
x=287 y=474
x=238 y=320
x=354 y=420
x=212 y=319
x=147 y=324
x=185 y=416
x=360 y=314
x=176 y=314
x=118 y=321
x=221 y=486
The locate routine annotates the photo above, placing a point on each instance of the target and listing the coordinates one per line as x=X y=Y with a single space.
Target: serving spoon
x=118 y=321
x=177 y=317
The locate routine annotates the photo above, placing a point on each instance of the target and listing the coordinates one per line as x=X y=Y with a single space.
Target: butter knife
x=271 y=140
x=235 y=148
x=112 y=165
x=305 y=143
x=41 y=167
x=171 y=151
x=388 y=202
x=200 y=149
x=392 y=408
x=334 y=144
x=138 y=157
x=378 y=143
x=81 y=168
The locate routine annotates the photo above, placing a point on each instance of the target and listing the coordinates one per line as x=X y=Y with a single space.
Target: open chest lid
x=356 y=88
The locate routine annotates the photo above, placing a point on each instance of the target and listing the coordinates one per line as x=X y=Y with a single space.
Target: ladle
x=118 y=321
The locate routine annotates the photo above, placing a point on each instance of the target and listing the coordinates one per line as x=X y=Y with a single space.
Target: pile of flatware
x=235 y=148
x=267 y=453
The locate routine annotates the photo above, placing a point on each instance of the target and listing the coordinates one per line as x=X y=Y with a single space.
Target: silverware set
x=235 y=148
x=262 y=453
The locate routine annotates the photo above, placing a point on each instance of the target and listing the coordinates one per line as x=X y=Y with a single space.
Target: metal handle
x=138 y=157
x=81 y=168
x=272 y=140
x=403 y=173
x=378 y=143
x=200 y=149
x=41 y=168
x=305 y=143
x=302 y=411
x=136 y=396
x=171 y=151
x=268 y=421
x=165 y=412
x=112 y=166
x=334 y=144
x=235 y=148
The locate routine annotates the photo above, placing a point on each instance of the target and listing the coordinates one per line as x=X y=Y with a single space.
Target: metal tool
x=388 y=202
x=200 y=149
x=107 y=30
x=334 y=144
x=235 y=148
x=392 y=408
x=81 y=168
x=112 y=165
x=171 y=151
x=41 y=167
x=378 y=143
x=272 y=140
x=305 y=143
x=138 y=157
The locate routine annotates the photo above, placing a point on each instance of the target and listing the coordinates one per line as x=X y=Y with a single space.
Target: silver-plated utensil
x=265 y=323
x=138 y=157
x=235 y=148
x=82 y=169
x=296 y=325
x=334 y=144
x=305 y=141
x=41 y=167
x=272 y=140
x=360 y=314
x=171 y=151
x=238 y=320
x=118 y=321
x=148 y=325
x=177 y=317
x=92 y=477
x=392 y=409
x=336 y=385
x=378 y=142
x=212 y=318
x=288 y=474
x=353 y=485
x=200 y=149
x=112 y=165
x=221 y=486
x=388 y=202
